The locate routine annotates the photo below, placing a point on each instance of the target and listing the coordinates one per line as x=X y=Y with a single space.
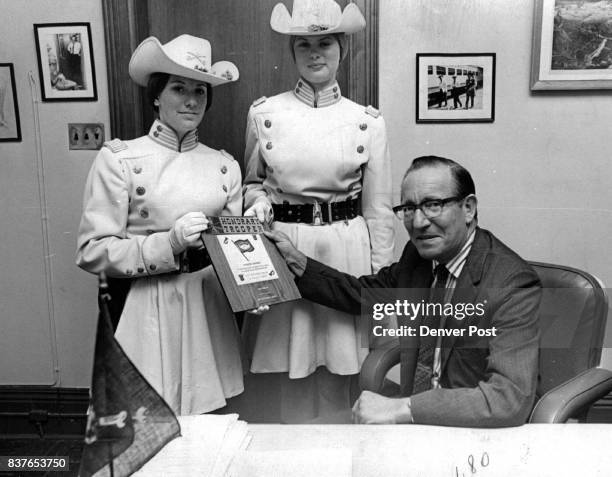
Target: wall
x=47 y=305
x=542 y=169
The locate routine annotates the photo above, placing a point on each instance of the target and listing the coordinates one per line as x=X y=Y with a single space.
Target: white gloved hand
x=186 y=231
x=260 y=209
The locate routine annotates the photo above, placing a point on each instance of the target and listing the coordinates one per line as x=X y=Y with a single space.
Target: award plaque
x=250 y=268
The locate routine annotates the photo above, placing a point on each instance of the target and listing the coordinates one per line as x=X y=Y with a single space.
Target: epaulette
x=116 y=145
x=226 y=154
x=372 y=111
x=259 y=101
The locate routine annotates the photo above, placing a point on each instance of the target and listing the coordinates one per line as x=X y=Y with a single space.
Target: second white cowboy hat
x=186 y=55
x=316 y=17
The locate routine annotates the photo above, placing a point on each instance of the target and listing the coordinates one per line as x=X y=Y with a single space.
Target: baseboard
x=33 y=411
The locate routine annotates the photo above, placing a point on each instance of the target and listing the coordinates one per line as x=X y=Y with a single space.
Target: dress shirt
x=454 y=267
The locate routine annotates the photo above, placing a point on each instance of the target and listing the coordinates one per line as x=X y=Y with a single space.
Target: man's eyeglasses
x=431 y=208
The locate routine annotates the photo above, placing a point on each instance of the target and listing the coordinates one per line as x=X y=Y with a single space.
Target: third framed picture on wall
x=571 y=45
x=65 y=62
x=455 y=87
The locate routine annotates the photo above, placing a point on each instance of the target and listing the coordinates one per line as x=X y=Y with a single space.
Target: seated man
x=482 y=379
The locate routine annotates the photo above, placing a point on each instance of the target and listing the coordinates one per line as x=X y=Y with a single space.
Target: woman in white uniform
x=146 y=204
x=317 y=165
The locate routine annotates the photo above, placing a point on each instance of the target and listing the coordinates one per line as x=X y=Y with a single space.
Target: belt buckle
x=316 y=214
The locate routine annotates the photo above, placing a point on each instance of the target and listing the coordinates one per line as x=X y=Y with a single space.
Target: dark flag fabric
x=244 y=245
x=128 y=422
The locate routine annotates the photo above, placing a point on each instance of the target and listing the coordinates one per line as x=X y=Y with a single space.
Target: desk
x=537 y=450
x=532 y=450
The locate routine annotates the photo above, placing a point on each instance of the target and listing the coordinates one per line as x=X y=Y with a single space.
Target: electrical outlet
x=85 y=135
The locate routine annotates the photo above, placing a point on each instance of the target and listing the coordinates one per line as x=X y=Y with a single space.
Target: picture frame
x=571 y=50
x=10 y=126
x=65 y=62
x=446 y=81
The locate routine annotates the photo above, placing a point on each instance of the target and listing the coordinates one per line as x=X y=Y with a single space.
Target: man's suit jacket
x=486 y=381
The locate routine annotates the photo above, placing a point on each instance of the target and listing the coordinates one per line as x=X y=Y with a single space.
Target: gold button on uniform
x=153 y=266
x=223 y=169
x=129 y=272
x=224 y=188
x=140 y=270
x=137 y=170
x=360 y=149
x=140 y=190
x=268 y=123
x=144 y=213
x=363 y=126
x=155 y=134
x=269 y=146
x=160 y=129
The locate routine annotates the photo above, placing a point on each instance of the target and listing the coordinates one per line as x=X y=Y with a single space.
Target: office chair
x=572 y=322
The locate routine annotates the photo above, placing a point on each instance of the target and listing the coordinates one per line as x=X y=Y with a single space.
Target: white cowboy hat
x=316 y=17
x=186 y=55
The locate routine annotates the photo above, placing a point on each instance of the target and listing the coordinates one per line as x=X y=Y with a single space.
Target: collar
x=326 y=97
x=164 y=135
x=455 y=265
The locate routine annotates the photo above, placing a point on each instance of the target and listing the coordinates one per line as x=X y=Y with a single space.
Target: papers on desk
x=207 y=445
x=215 y=446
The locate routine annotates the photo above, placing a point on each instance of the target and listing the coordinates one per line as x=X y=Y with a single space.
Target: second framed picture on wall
x=455 y=87
x=65 y=62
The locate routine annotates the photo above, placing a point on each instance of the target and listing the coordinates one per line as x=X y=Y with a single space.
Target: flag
x=128 y=422
x=244 y=245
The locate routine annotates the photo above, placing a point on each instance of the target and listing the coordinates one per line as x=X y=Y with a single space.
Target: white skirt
x=299 y=336
x=180 y=332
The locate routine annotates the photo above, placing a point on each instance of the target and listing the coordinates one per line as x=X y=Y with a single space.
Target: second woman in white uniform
x=317 y=164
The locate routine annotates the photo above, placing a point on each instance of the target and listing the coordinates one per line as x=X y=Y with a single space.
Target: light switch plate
x=85 y=135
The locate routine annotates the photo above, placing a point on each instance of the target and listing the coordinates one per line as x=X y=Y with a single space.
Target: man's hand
x=372 y=408
x=295 y=259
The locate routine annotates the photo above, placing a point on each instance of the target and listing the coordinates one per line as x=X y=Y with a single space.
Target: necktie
x=427 y=346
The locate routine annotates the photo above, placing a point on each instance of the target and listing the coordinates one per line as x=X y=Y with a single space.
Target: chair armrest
x=376 y=365
x=572 y=397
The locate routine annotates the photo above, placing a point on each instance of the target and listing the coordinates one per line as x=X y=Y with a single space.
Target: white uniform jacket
x=137 y=189
x=303 y=147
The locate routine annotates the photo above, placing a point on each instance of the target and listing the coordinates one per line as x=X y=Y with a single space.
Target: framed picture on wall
x=572 y=45
x=65 y=62
x=10 y=128
x=455 y=87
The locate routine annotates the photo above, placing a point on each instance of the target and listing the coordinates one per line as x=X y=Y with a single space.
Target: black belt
x=193 y=259
x=319 y=214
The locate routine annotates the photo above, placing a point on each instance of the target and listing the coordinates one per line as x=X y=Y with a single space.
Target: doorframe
x=126 y=25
